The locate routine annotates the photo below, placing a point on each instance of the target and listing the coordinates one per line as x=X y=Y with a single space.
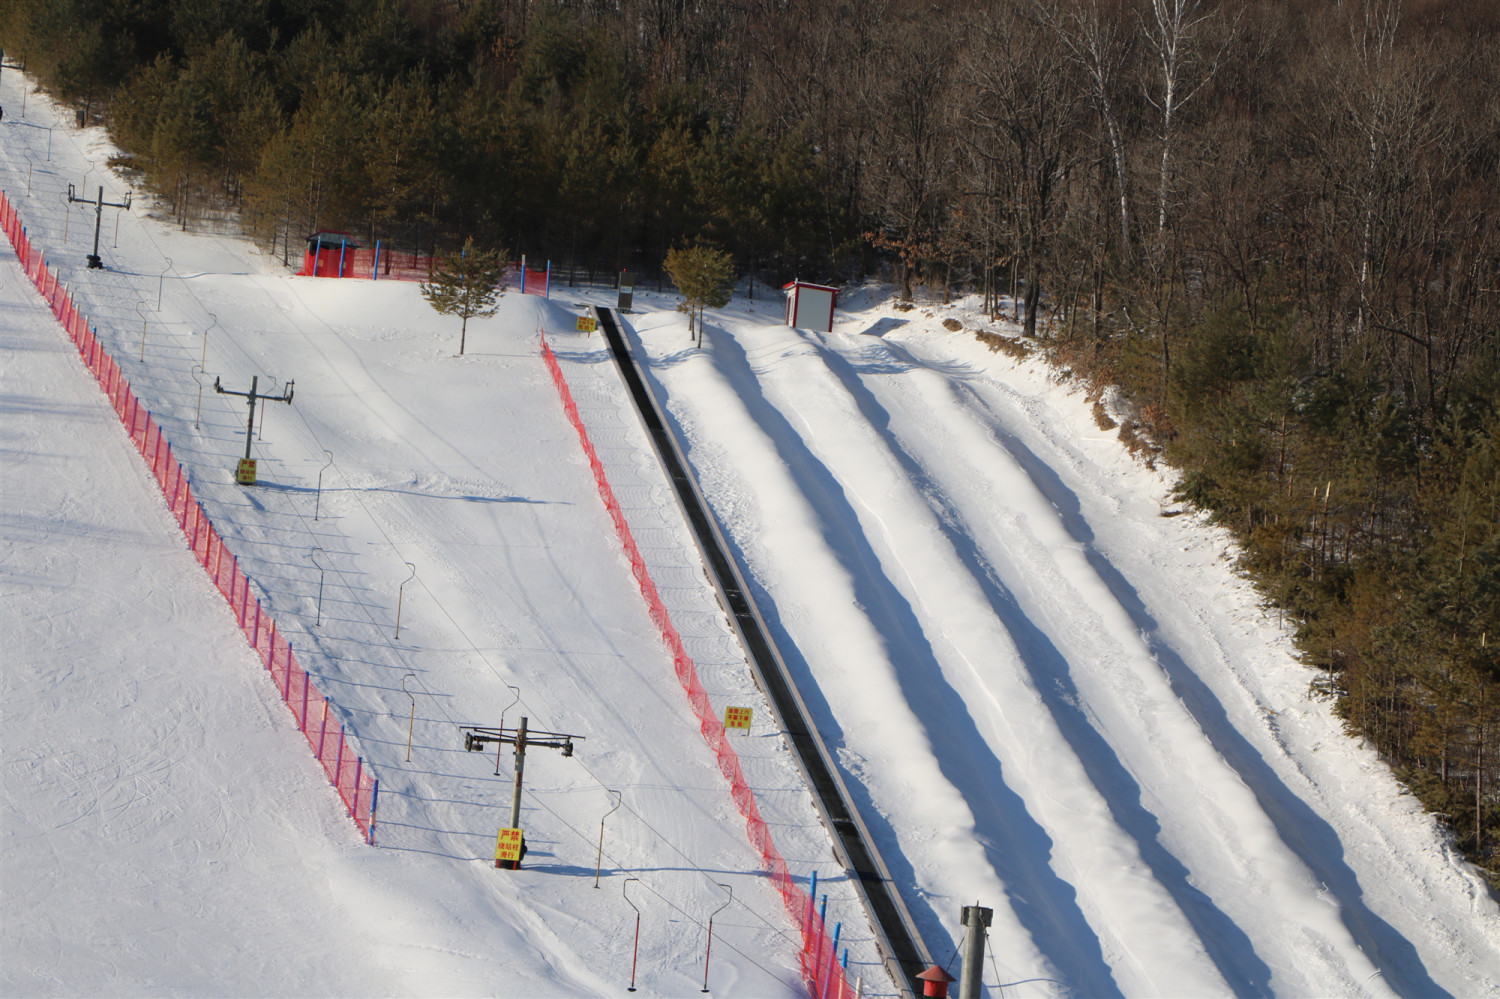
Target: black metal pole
x=99 y=205
x=98 y=220
x=250 y=427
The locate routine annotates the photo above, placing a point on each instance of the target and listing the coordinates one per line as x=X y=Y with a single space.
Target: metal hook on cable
x=710 y=949
x=143 y=332
x=162 y=280
x=195 y=371
x=412 y=724
x=317 y=503
x=599 y=860
x=204 y=359
x=636 y=950
x=260 y=428
x=401 y=595
x=313 y=555
x=514 y=701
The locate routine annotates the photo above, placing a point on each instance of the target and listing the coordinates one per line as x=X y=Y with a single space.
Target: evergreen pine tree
x=466 y=285
x=704 y=277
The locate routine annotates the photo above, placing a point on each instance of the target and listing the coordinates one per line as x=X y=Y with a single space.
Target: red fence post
x=359 y=766
x=322 y=733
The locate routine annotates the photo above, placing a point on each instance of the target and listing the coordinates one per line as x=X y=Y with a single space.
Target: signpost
x=508 y=848
x=738 y=718
x=627 y=291
x=587 y=324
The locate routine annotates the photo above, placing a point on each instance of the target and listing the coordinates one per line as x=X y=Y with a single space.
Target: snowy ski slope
x=1048 y=698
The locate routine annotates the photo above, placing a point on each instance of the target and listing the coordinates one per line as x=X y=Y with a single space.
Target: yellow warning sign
x=245 y=474
x=508 y=845
x=738 y=718
x=587 y=324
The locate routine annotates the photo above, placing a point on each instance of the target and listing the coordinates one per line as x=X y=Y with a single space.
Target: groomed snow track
x=901 y=946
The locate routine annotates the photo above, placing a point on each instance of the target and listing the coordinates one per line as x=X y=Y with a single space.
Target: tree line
x=1269 y=226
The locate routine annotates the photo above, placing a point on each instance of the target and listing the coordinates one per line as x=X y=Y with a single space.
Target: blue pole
x=818 y=951
x=375 y=271
x=344 y=246
x=837 y=929
x=375 y=800
x=812 y=896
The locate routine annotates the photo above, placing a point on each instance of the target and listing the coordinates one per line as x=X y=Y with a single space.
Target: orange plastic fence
x=821 y=971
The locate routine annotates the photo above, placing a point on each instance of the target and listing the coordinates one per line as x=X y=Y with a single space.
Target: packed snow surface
x=1047 y=687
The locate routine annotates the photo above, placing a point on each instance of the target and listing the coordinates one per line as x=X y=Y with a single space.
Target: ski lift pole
x=515 y=792
x=99 y=205
x=246 y=475
x=476 y=738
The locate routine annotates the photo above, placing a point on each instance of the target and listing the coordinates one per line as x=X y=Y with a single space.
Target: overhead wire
x=776 y=925
x=229 y=340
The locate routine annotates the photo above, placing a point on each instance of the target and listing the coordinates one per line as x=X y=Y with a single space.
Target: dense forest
x=1268 y=229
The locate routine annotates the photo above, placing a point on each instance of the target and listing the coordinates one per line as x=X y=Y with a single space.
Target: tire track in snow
x=1304 y=833
x=1052 y=672
x=1046 y=905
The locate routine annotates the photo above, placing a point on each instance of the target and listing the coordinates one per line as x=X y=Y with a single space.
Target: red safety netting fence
x=821 y=971
x=356 y=784
x=378 y=263
x=384 y=264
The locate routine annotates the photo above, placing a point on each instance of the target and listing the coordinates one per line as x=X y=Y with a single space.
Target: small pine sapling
x=466 y=284
x=704 y=277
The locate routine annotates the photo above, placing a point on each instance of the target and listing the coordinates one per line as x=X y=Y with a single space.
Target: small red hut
x=329 y=254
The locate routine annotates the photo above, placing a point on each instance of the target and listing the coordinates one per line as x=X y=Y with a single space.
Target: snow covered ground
x=1049 y=698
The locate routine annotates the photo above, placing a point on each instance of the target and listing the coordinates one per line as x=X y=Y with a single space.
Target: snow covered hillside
x=1048 y=698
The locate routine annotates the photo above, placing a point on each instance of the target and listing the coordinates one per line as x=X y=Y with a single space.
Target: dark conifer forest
x=1270 y=227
